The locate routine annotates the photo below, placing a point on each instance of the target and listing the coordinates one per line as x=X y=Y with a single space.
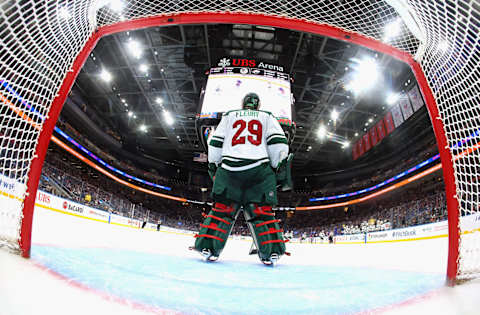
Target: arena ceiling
x=166 y=71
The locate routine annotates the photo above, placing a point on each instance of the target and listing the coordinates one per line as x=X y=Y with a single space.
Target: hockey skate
x=272 y=261
x=207 y=255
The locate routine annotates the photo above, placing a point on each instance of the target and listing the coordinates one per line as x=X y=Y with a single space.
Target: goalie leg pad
x=266 y=232
x=215 y=229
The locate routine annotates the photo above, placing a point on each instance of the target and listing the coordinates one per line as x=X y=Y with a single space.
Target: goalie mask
x=251 y=101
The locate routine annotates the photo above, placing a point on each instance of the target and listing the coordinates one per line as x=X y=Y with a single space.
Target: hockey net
x=44 y=43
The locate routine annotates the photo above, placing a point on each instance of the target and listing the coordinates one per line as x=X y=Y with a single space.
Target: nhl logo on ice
x=224 y=62
x=65 y=205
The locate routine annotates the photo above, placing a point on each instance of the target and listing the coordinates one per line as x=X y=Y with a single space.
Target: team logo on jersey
x=224 y=62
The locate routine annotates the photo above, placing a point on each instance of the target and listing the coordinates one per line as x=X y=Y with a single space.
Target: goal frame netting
x=276 y=21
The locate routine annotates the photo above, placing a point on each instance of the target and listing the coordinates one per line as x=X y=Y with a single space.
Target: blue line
x=79 y=146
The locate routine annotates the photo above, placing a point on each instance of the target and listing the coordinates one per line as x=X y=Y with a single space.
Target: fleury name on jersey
x=256 y=134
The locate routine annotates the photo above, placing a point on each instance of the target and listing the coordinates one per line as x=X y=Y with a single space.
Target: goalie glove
x=212 y=169
x=284 y=174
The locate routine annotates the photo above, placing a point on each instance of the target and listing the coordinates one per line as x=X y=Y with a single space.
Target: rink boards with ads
x=9 y=193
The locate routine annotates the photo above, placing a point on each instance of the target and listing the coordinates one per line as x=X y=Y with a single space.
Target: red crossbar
x=210 y=236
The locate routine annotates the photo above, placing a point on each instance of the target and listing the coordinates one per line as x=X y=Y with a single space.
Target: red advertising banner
x=380 y=130
x=390 y=126
x=373 y=135
x=355 y=152
x=361 y=148
x=366 y=142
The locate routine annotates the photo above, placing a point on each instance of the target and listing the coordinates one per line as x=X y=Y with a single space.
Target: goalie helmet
x=251 y=101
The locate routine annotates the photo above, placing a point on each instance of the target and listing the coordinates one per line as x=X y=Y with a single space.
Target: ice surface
x=81 y=266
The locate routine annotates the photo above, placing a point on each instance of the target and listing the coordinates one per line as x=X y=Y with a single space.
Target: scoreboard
x=232 y=79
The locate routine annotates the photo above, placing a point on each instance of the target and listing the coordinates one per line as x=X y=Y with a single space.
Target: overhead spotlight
x=117 y=5
x=123 y=100
x=168 y=118
x=366 y=124
x=159 y=100
x=105 y=75
x=365 y=76
x=334 y=115
x=135 y=116
x=143 y=128
x=130 y=114
x=143 y=67
x=392 y=29
x=134 y=48
x=356 y=134
x=322 y=132
x=370 y=120
x=126 y=105
x=346 y=144
x=392 y=98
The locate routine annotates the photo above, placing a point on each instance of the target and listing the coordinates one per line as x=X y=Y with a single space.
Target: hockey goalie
x=245 y=152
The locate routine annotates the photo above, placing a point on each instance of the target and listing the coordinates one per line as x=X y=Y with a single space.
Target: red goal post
x=43 y=46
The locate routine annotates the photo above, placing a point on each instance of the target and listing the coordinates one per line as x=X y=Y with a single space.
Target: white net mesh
x=39 y=41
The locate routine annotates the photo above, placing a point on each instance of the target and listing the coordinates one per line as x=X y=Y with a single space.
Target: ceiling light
x=370 y=120
x=130 y=114
x=356 y=134
x=334 y=115
x=322 y=132
x=143 y=128
x=168 y=118
x=346 y=144
x=143 y=67
x=392 y=29
x=159 y=100
x=134 y=48
x=117 y=5
x=135 y=116
x=123 y=100
x=105 y=75
x=365 y=76
x=64 y=13
x=392 y=98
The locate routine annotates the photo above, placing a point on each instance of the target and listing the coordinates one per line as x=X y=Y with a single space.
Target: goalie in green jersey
x=244 y=153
